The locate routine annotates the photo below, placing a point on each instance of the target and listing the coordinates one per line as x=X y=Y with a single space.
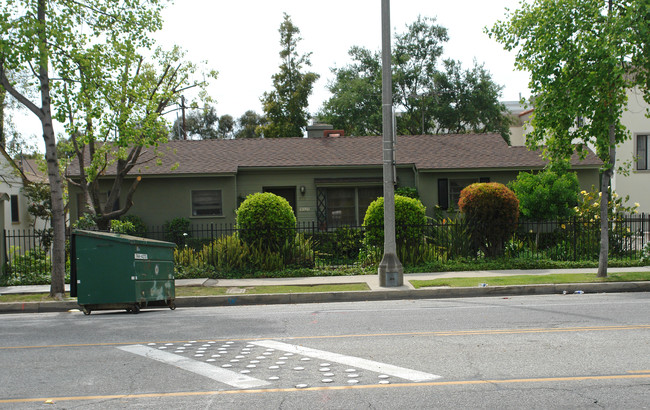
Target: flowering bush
x=492 y=212
x=589 y=205
x=587 y=213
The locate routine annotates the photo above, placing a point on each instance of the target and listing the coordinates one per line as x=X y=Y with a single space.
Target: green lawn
x=531 y=280
x=249 y=290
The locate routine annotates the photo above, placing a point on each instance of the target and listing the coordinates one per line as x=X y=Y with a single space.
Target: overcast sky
x=240 y=40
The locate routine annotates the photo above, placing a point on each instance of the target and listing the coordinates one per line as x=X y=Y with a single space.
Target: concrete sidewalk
x=407 y=291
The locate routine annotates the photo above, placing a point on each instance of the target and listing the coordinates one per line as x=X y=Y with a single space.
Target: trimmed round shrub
x=410 y=219
x=492 y=212
x=266 y=219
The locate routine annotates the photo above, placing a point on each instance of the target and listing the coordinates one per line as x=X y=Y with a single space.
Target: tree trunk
x=57 y=287
x=604 y=204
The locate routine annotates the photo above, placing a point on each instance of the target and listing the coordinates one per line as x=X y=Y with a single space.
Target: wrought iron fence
x=218 y=248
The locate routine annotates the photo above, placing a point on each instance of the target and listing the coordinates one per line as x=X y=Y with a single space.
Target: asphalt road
x=562 y=351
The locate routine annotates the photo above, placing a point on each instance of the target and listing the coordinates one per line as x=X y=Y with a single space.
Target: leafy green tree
x=7 y=104
x=355 y=105
x=546 y=195
x=116 y=120
x=226 y=127
x=434 y=96
x=467 y=101
x=583 y=55
x=39 y=206
x=249 y=125
x=3 y=114
x=46 y=38
x=285 y=107
x=200 y=123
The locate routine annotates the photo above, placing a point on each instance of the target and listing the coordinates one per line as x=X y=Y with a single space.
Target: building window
x=15 y=214
x=449 y=190
x=207 y=203
x=642 y=152
x=341 y=206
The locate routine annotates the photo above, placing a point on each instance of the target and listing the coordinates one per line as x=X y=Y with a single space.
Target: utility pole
x=390 y=269
x=183 y=111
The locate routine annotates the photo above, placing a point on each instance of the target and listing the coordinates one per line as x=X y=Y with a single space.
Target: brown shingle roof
x=31 y=168
x=426 y=152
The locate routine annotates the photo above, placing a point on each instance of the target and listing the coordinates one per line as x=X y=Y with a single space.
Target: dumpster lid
x=118 y=237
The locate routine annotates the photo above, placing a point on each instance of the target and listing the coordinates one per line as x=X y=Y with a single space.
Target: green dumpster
x=115 y=271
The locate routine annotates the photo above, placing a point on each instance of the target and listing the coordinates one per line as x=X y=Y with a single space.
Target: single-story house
x=328 y=180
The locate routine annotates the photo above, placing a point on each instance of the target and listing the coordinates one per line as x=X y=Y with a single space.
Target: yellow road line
x=325 y=388
x=435 y=333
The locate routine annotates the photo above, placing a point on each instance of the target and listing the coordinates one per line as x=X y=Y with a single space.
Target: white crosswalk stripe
x=401 y=372
x=213 y=372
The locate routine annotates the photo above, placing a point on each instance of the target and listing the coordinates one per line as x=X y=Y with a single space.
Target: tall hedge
x=492 y=212
x=266 y=219
x=546 y=195
x=410 y=218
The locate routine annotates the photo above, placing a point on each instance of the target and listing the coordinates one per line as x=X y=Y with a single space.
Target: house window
x=15 y=214
x=340 y=206
x=449 y=190
x=642 y=152
x=207 y=203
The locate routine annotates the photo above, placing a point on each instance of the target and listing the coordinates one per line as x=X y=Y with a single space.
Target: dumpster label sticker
x=141 y=256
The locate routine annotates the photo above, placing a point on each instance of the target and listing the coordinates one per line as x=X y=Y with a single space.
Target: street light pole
x=390 y=269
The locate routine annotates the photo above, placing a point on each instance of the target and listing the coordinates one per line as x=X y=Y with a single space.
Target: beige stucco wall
x=637 y=183
x=11 y=183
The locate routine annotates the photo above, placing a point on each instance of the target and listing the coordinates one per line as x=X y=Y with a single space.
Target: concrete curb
x=358 y=296
x=37 y=307
x=430 y=293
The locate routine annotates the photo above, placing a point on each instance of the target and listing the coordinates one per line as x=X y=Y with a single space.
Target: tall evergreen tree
x=285 y=107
